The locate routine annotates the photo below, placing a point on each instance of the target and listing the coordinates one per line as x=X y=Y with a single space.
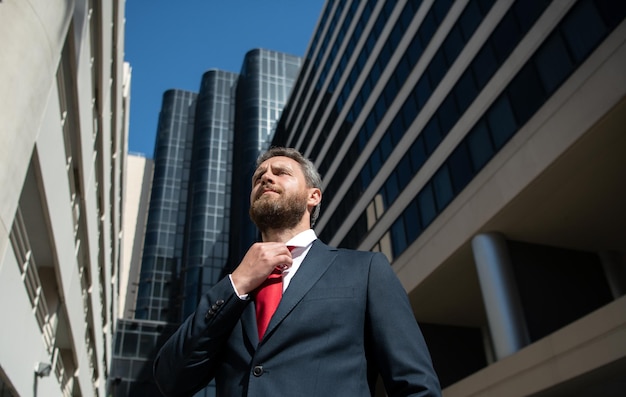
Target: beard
x=282 y=212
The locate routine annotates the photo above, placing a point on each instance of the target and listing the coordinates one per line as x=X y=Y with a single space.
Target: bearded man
x=297 y=317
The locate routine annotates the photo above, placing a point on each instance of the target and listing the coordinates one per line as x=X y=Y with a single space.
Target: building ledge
x=594 y=344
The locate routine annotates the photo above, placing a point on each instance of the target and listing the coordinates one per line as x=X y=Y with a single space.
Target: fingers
x=260 y=260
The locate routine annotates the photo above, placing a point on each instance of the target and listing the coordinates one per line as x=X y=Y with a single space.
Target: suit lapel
x=319 y=258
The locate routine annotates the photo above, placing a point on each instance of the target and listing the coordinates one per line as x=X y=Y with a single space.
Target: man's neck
x=283 y=235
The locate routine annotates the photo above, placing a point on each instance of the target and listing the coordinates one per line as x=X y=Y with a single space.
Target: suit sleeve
x=397 y=345
x=186 y=362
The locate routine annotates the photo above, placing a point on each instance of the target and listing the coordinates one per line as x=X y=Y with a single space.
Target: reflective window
x=443 y=188
x=527 y=12
x=526 y=93
x=432 y=135
x=453 y=45
x=427 y=208
x=437 y=68
x=391 y=189
x=417 y=154
x=469 y=21
x=404 y=171
x=448 y=114
x=398 y=239
x=460 y=168
x=484 y=65
x=553 y=63
x=480 y=146
x=501 y=121
x=582 y=40
x=411 y=216
x=505 y=37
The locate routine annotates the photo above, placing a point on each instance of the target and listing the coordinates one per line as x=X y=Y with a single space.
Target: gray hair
x=311 y=176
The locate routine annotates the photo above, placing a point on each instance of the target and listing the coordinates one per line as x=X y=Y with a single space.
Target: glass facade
x=163 y=246
x=136 y=344
x=208 y=222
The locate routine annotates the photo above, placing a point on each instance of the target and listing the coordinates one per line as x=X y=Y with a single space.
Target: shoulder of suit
x=347 y=251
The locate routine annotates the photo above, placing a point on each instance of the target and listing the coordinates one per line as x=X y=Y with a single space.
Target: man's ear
x=315 y=197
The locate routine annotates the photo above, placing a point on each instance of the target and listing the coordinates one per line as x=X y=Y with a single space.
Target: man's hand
x=260 y=260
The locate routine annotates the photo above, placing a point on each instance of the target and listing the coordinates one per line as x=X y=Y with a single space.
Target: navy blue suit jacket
x=343 y=320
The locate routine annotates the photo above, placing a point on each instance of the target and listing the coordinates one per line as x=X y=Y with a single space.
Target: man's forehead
x=281 y=161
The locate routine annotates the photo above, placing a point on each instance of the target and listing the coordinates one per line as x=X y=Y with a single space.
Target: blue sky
x=170 y=44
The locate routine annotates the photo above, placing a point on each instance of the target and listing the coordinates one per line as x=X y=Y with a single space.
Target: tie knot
x=291 y=247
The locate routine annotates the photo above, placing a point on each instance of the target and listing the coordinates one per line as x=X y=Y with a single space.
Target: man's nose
x=267 y=177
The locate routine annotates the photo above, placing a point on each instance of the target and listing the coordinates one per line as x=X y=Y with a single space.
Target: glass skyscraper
x=469 y=142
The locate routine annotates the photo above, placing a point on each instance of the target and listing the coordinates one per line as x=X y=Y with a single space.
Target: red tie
x=267 y=299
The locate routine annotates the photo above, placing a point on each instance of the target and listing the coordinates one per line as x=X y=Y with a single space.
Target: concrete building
x=63 y=142
x=137 y=185
x=479 y=145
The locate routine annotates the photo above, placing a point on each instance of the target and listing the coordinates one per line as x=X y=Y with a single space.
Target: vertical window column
x=499 y=289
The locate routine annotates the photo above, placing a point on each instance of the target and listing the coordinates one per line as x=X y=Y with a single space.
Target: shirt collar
x=303 y=239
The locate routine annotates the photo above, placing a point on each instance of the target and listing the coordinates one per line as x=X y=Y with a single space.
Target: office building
x=63 y=144
x=205 y=143
x=479 y=145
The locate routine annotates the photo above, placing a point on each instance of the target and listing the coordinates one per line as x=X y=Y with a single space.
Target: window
x=391 y=188
x=453 y=44
x=526 y=93
x=484 y=65
x=417 y=154
x=448 y=114
x=412 y=222
x=398 y=236
x=404 y=171
x=443 y=188
x=426 y=203
x=460 y=168
x=553 y=63
x=432 y=135
x=470 y=20
x=501 y=121
x=583 y=29
x=465 y=90
x=480 y=146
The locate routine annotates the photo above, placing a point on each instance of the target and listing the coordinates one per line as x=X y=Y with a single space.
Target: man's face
x=278 y=199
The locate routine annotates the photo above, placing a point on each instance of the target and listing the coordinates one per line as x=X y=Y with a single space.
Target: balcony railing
x=30 y=277
x=65 y=379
